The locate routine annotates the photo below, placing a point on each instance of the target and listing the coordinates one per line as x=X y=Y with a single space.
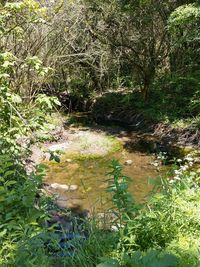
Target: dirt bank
x=139 y=124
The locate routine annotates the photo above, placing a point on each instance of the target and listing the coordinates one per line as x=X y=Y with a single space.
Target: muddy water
x=90 y=177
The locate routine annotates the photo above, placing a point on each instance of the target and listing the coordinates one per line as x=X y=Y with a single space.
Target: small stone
x=73 y=187
x=63 y=204
x=65 y=187
x=156 y=164
x=59 y=186
x=128 y=162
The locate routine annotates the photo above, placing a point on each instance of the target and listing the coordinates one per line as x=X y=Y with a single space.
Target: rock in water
x=128 y=162
x=59 y=186
x=73 y=187
x=62 y=203
x=65 y=187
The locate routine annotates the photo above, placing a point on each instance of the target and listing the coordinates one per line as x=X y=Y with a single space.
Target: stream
x=78 y=177
x=79 y=180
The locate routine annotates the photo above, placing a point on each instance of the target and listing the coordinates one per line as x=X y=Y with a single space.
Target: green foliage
x=159 y=225
x=118 y=186
x=185 y=18
x=165 y=231
x=183 y=29
x=17 y=195
x=175 y=97
x=17 y=19
x=99 y=245
x=178 y=95
x=46 y=103
x=17 y=119
x=21 y=211
x=35 y=64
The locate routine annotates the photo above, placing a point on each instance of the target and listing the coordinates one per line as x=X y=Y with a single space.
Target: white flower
x=189 y=158
x=177 y=178
x=114 y=228
x=184 y=168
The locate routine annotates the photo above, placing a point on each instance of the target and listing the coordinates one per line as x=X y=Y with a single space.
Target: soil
x=185 y=137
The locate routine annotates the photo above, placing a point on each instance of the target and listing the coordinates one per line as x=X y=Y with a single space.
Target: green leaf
x=9 y=183
x=8 y=173
x=2 y=233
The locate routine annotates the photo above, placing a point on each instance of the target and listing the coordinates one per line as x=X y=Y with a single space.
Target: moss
x=79 y=156
x=115 y=147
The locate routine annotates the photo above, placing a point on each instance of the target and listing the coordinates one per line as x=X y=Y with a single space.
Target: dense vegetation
x=75 y=51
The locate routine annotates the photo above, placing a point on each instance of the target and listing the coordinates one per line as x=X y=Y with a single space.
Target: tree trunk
x=148 y=79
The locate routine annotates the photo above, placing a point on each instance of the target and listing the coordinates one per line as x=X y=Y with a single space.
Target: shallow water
x=90 y=176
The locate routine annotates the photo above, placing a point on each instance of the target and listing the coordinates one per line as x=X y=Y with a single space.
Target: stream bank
x=127 y=110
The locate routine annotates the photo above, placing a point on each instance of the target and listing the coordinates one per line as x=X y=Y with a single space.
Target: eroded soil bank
x=108 y=109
